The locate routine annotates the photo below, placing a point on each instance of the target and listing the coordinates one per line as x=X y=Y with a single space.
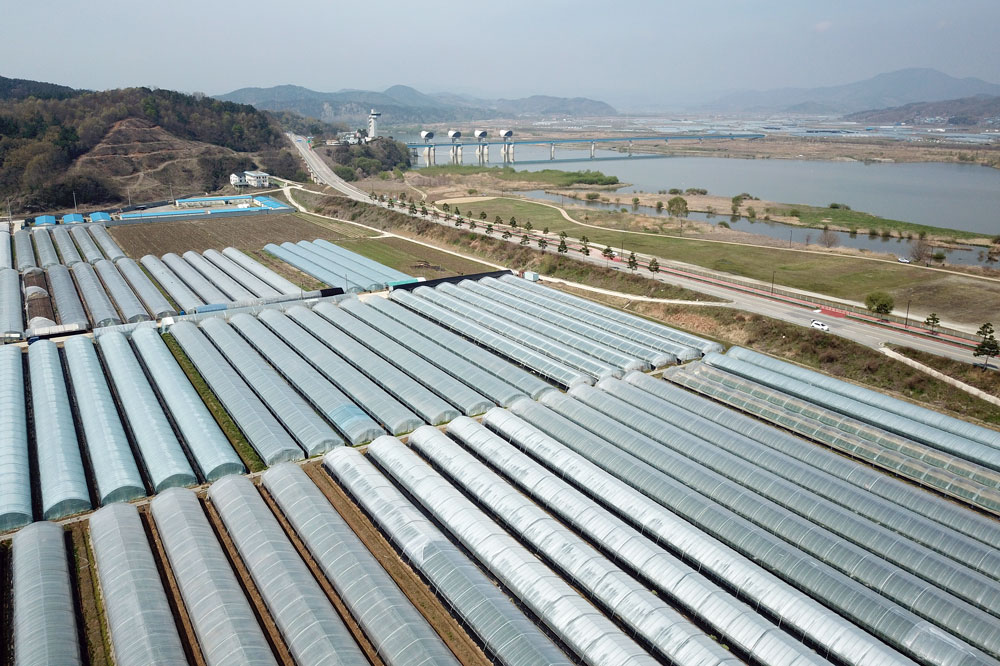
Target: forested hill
x=99 y=143
x=21 y=88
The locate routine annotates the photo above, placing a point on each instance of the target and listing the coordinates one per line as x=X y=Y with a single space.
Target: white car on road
x=817 y=324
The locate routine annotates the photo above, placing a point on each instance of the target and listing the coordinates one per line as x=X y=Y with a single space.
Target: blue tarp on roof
x=273 y=204
x=46 y=219
x=100 y=217
x=72 y=218
x=164 y=213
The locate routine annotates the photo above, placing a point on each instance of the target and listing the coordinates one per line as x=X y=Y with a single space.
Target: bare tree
x=829 y=239
x=920 y=250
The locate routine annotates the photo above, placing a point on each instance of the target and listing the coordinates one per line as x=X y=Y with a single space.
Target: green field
x=954 y=297
x=864 y=223
x=551 y=177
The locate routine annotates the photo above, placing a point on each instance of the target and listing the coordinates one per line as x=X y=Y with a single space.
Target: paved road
x=864 y=333
x=322 y=171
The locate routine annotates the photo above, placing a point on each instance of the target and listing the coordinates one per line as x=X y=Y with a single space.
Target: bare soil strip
x=95 y=643
x=447 y=626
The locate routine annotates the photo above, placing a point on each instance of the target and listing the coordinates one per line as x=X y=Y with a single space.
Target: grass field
x=985 y=380
x=814 y=216
x=551 y=177
x=953 y=297
x=414 y=259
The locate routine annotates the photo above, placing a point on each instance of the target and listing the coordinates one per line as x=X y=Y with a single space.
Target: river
x=953 y=196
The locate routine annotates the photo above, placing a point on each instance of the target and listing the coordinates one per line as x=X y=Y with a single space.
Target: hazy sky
x=628 y=52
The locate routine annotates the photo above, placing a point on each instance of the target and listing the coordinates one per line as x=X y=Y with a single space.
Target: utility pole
x=75 y=209
x=10 y=218
x=772 y=283
x=906 y=321
x=790 y=237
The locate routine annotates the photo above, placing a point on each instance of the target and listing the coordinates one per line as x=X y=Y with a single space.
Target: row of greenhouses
x=110 y=421
x=42 y=247
x=548 y=331
x=882 y=430
x=338 y=267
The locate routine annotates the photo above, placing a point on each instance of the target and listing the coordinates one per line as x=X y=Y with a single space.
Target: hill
x=403 y=105
x=103 y=146
x=23 y=88
x=981 y=110
x=891 y=89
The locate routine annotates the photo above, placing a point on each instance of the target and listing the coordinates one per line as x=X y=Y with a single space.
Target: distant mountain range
x=23 y=88
x=965 y=112
x=403 y=105
x=891 y=89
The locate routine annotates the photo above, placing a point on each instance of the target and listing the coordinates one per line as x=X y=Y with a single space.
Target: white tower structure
x=373 y=124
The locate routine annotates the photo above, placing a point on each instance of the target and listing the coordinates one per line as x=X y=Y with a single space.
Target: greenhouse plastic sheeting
x=223 y=620
x=348 y=418
x=472 y=354
x=206 y=291
x=44 y=248
x=543 y=364
x=511 y=637
x=308 y=428
x=105 y=242
x=186 y=299
x=311 y=627
x=594 y=638
x=24 y=250
x=60 y=468
x=15 y=473
x=11 y=312
x=268 y=438
x=428 y=375
x=88 y=248
x=44 y=626
x=67 y=248
x=739 y=625
x=233 y=289
x=384 y=408
x=102 y=312
x=391 y=274
x=358 y=275
x=244 y=277
x=208 y=445
x=66 y=299
x=395 y=627
x=479 y=310
x=291 y=254
x=263 y=272
x=494 y=388
x=896 y=406
x=860 y=476
x=927 y=466
x=145 y=289
x=673 y=636
x=165 y=461
x=131 y=309
x=858 y=408
x=5 y=256
x=115 y=472
x=859 y=502
x=867 y=608
x=138 y=613
x=428 y=406
x=592 y=335
x=795 y=611
x=583 y=307
x=829 y=533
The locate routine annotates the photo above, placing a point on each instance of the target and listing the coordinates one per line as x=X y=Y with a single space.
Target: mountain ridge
x=404 y=104
x=889 y=89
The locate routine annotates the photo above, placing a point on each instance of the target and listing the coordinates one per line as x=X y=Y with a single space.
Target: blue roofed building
x=71 y=218
x=100 y=217
x=46 y=219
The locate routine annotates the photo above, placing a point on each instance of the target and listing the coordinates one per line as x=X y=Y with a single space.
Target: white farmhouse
x=250 y=179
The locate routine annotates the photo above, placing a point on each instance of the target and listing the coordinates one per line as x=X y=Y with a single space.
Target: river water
x=952 y=196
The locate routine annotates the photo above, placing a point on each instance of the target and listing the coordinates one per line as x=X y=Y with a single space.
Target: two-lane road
x=322 y=171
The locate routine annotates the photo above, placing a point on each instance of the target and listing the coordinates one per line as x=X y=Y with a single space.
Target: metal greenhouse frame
x=138 y=613
x=223 y=620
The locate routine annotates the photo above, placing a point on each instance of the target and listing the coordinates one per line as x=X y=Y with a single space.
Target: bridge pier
x=456 y=154
x=429 y=155
x=507 y=152
x=552 y=151
x=483 y=153
x=630 y=148
x=593 y=149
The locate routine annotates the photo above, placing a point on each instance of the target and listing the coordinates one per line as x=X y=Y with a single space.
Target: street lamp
x=907 y=320
x=772 y=283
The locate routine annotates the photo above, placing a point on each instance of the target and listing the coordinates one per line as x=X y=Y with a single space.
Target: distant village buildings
x=250 y=179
